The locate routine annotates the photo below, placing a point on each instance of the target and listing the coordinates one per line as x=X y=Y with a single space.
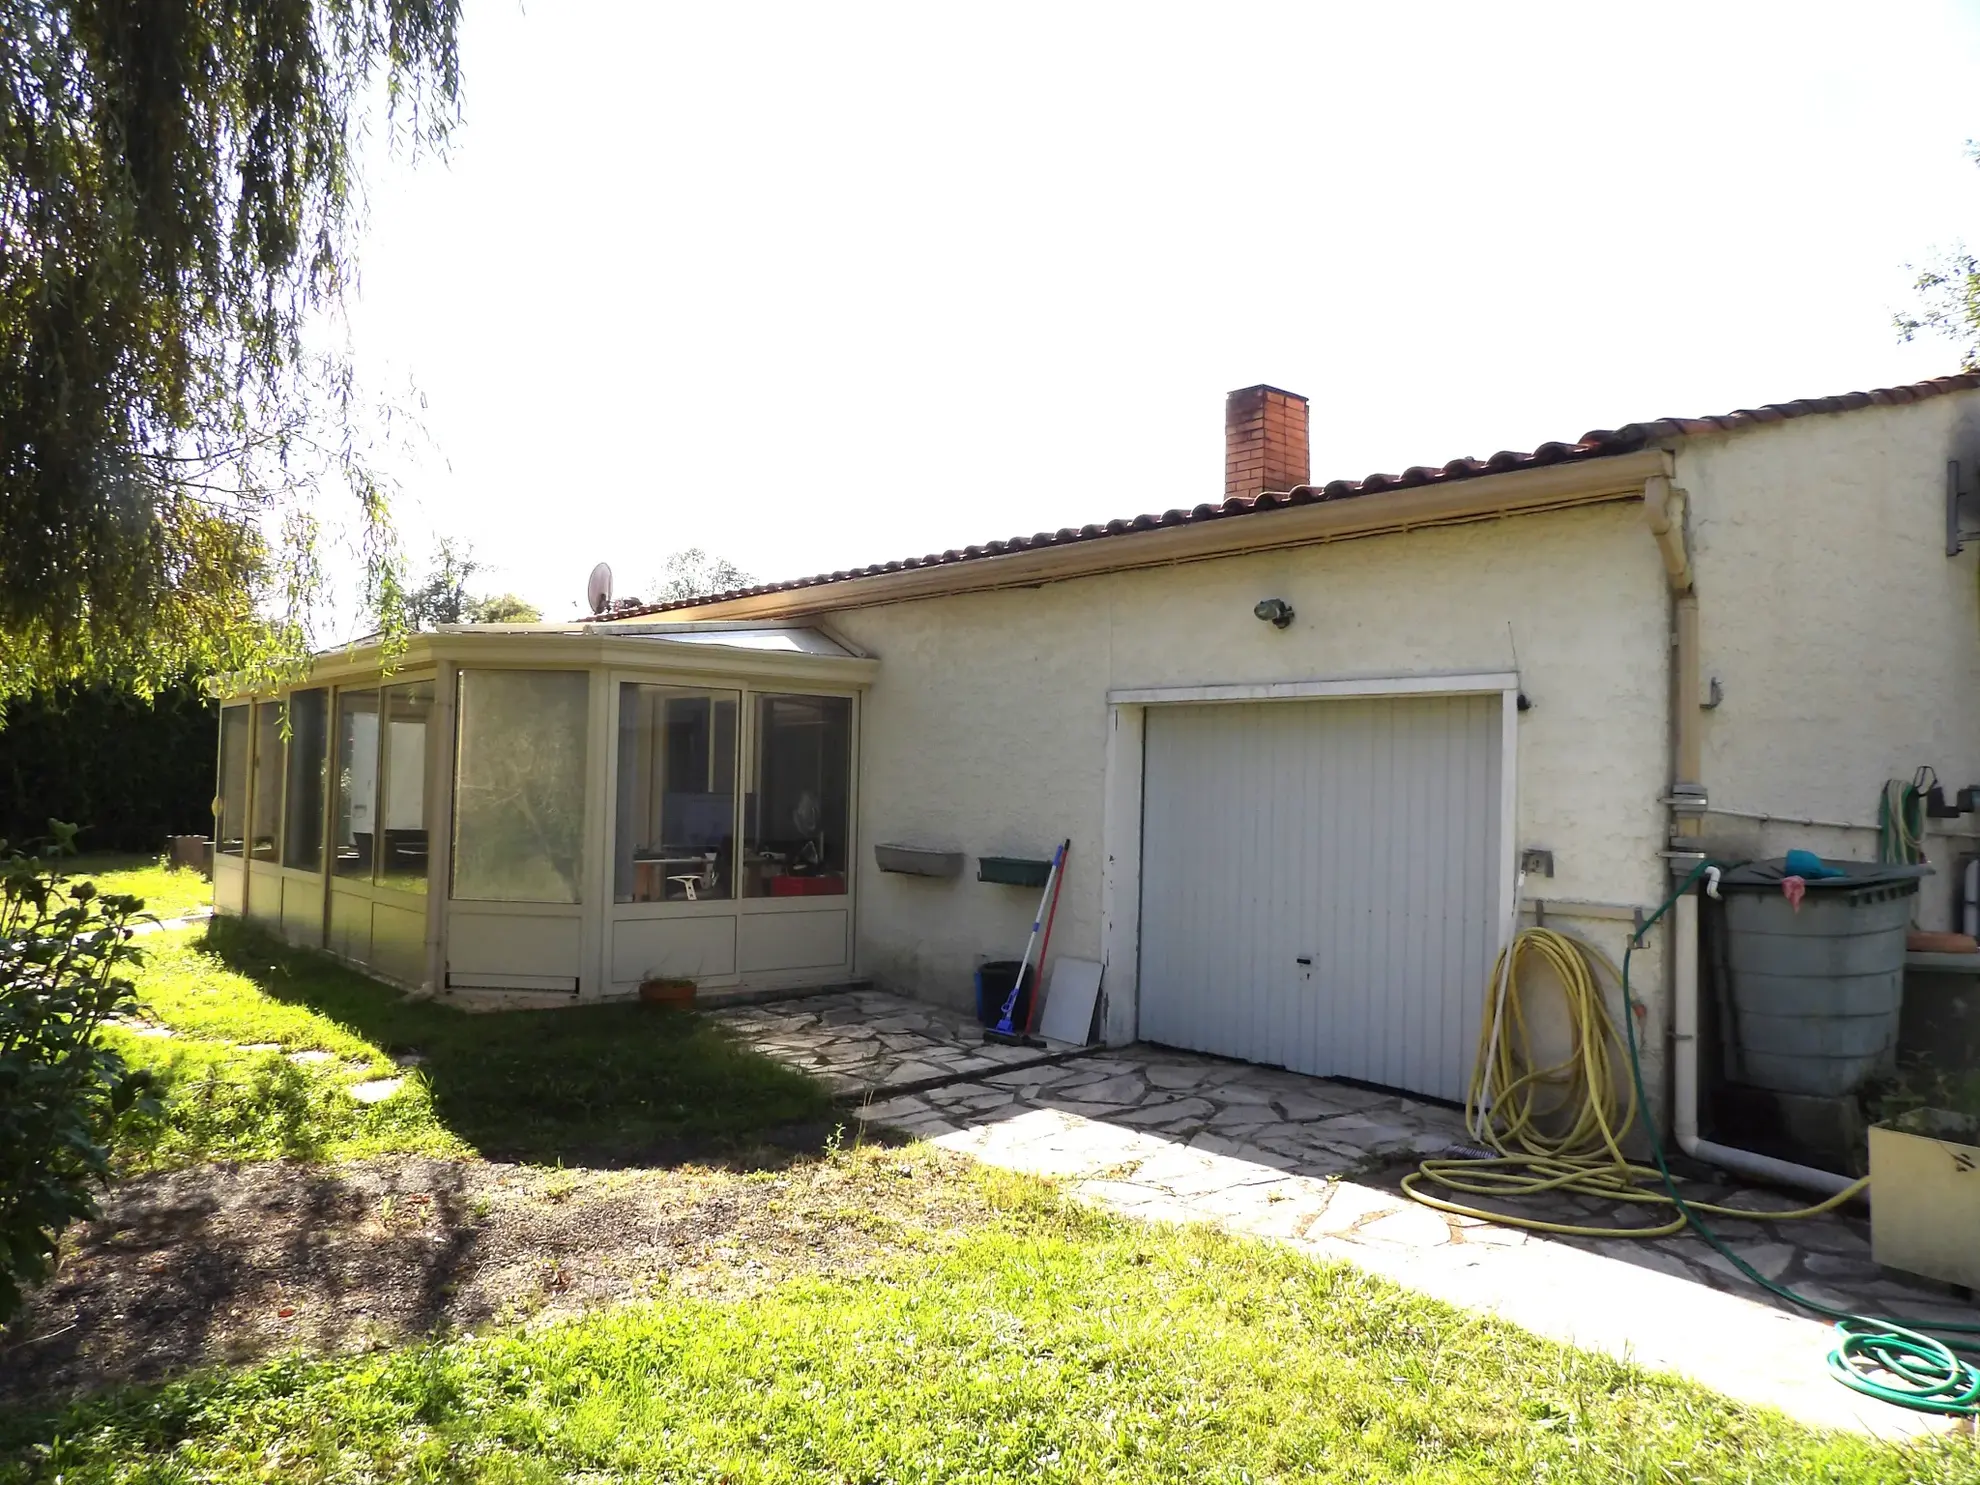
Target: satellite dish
x=598 y=590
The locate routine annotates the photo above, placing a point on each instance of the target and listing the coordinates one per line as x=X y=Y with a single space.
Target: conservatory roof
x=754 y=652
x=742 y=637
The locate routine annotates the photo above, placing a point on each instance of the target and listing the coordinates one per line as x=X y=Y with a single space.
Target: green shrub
x=63 y=1093
x=136 y=769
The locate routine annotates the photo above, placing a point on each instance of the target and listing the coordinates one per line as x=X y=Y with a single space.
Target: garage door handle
x=1304 y=959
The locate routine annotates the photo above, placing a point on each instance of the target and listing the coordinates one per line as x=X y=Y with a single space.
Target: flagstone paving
x=868 y=1044
x=186 y=919
x=1172 y=1136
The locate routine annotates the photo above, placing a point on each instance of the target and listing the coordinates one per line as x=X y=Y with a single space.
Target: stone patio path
x=1171 y=1136
x=868 y=1044
x=188 y=919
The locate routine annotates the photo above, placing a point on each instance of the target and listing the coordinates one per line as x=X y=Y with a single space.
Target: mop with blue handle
x=1005 y=1031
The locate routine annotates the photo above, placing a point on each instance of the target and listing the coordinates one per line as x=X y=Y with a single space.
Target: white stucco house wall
x=1500 y=656
x=1315 y=747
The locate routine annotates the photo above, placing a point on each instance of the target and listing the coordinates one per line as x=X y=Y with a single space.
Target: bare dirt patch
x=229 y=1263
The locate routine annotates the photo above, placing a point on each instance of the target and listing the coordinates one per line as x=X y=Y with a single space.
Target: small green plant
x=560 y=1185
x=1923 y=1084
x=64 y=1095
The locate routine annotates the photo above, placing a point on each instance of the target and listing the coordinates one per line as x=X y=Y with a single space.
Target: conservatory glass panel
x=265 y=824
x=354 y=839
x=519 y=786
x=309 y=764
x=676 y=834
x=230 y=827
x=409 y=743
x=798 y=810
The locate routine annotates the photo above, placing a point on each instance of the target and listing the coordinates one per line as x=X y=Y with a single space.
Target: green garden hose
x=1891 y=1360
x=1901 y=818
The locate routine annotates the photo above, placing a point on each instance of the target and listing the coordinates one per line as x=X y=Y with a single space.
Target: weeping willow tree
x=177 y=213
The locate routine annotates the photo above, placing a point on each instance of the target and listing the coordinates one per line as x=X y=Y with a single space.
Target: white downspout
x=1664 y=508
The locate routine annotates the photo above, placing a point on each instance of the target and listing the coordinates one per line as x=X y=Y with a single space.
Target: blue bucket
x=993 y=988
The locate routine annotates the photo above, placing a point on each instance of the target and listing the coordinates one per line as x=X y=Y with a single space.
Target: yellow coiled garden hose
x=1556 y=1129
x=1560 y=1128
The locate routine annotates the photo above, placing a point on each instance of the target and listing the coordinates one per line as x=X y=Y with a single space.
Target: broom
x=1044 y=948
x=1004 y=1031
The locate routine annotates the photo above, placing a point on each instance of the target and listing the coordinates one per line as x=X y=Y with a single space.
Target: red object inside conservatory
x=823 y=886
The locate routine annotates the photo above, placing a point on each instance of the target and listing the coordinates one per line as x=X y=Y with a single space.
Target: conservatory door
x=677 y=749
x=731 y=825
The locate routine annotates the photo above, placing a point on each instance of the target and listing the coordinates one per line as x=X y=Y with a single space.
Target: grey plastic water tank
x=1816 y=993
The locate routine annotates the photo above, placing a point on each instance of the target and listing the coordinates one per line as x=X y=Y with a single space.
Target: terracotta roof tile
x=1596 y=444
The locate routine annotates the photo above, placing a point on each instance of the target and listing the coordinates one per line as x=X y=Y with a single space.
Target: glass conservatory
x=554 y=808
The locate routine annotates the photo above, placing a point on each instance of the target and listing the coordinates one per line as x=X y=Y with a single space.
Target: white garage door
x=1321 y=884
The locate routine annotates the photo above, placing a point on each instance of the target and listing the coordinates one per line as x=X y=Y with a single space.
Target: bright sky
x=815 y=286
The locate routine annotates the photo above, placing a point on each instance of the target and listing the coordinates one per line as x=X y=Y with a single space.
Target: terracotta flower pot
x=679 y=994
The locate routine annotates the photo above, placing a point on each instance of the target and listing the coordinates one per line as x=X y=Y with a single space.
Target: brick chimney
x=1264 y=441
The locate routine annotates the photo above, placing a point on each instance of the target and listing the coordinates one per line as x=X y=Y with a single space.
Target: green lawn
x=168 y=891
x=594 y=1084
x=1009 y=1336
x=1038 y=1343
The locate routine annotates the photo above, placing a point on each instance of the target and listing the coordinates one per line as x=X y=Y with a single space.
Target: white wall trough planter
x=915 y=861
x=1925 y=1195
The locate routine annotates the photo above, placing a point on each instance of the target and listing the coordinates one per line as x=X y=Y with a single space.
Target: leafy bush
x=63 y=1094
x=1922 y=1083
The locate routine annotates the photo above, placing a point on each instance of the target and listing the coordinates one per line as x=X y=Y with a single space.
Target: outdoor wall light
x=1274 y=611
